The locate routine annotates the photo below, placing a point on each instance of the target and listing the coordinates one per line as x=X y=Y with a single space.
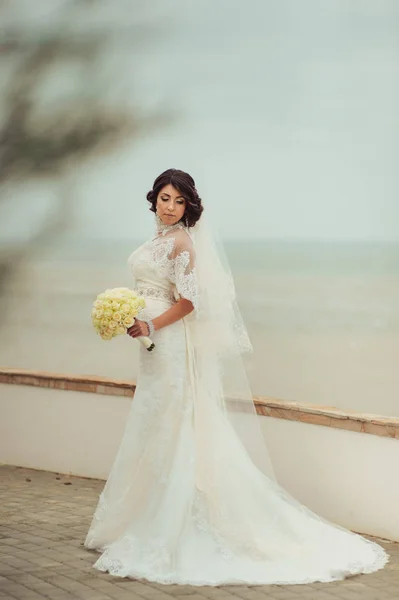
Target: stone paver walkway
x=44 y=518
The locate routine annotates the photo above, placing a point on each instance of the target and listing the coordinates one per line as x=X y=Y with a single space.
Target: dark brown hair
x=185 y=184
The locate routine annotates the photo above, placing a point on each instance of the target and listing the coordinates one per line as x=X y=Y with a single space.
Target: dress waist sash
x=155 y=292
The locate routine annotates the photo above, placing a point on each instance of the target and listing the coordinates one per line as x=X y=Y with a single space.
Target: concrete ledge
x=327 y=416
x=60 y=381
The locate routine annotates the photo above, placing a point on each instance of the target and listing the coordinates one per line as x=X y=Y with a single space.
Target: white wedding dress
x=184 y=503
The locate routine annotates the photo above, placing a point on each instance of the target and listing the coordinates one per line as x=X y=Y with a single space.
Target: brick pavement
x=44 y=518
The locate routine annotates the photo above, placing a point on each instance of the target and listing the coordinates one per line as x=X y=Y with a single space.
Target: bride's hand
x=139 y=328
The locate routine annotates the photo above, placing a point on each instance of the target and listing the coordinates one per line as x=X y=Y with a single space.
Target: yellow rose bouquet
x=114 y=312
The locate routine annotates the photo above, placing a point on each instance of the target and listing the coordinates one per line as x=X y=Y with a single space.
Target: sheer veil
x=184 y=503
x=219 y=338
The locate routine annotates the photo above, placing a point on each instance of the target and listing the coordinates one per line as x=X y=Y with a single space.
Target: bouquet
x=114 y=312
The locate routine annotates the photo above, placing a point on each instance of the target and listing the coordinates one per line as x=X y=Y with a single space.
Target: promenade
x=44 y=518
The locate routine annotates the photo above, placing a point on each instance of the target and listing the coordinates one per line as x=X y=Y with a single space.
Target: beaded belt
x=155 y=292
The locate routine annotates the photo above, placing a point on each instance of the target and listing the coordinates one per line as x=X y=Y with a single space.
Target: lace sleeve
x=183 y=271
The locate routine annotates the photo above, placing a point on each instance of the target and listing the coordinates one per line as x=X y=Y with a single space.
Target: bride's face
x=170 y=205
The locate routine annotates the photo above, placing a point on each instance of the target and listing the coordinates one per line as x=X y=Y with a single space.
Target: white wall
x=66 y=432
x=347 y=477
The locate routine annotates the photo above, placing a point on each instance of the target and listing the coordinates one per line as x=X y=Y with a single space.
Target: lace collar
x=162 y=228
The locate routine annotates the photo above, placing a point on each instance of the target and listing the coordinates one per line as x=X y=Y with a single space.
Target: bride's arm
x=184 y=277
x=181 y=309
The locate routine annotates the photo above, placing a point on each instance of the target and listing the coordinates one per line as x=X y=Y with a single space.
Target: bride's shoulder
x=182 y=239
x=173 y=242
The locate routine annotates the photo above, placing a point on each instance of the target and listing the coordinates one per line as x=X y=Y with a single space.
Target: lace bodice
x=166 y=263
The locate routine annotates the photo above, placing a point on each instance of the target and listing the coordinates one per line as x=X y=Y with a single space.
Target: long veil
x=181 y=499
x=219 y=338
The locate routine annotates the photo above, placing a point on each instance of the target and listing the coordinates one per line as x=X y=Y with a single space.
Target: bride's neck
x=163 y=228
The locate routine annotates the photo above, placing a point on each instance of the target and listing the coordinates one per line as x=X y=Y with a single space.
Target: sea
x=323 y=317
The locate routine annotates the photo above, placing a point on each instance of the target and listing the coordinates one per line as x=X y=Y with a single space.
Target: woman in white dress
x=191 y=497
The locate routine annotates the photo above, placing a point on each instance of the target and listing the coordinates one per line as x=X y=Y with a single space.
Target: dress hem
x=381 y=559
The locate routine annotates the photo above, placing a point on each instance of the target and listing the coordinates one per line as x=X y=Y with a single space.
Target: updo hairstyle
x=185 y=184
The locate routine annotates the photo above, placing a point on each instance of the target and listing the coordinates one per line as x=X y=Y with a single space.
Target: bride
x=191 y=497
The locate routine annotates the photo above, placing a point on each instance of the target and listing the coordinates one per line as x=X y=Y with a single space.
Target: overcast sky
x=286 y=116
